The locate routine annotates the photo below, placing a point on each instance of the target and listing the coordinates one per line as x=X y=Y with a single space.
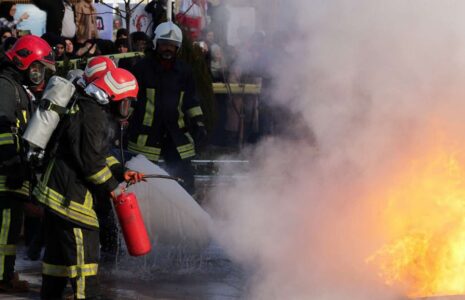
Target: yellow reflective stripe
x=88 y=201
x=194 y=112
x=81 y=280
x=48 y=171
x=111 y=161
x=6 y=139
x=186 y=151
x=54 y=270
x=23 y=190
x=187 y=154
x=6 y=219
x=8 y=250
x=181 y=114
x=189 y=137
x=101 y=176
x=72 y=210
x=142 y=139
x=71 y=272
x=24 y=115
x=152 y=153
x=16 y=137
x=74 y=109
x=186 y=147
x=149 y=108
x=83 y=270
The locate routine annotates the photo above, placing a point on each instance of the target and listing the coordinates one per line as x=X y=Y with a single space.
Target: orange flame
x=425 y=221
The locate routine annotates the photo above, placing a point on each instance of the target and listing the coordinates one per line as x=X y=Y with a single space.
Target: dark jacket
x=165 y=99
x=15 y=110
x=55 y=10
x=82 y=165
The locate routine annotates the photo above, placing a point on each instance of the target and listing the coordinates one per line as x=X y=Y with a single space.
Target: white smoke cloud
x=371 y=79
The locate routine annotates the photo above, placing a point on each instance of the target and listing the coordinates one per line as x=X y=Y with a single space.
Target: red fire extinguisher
x=132 y=224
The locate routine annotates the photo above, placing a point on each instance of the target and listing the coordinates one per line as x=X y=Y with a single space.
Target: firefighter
x=23 y=68
x=79 y=169
x=167 y=95
x=95 y=68
x=107 y=220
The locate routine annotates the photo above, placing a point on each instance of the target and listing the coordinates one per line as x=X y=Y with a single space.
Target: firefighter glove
x=116 y=192
x=133 y=177
x=200 y=137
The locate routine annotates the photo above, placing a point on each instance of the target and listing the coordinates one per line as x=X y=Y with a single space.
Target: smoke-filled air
x=371 y=204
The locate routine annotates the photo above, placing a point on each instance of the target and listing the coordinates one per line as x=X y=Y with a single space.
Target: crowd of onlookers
x=76 y=36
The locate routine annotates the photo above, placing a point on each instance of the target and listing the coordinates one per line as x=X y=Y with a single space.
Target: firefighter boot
x=14 y=285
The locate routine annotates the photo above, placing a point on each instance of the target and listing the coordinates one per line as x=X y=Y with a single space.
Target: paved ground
x=210 y=276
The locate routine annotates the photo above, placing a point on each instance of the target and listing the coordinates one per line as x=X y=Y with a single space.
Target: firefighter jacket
x=165 y=98
x=15 y=109
x=81 y=166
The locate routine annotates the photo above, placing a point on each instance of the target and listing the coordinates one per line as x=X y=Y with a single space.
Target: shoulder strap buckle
x=46 y=104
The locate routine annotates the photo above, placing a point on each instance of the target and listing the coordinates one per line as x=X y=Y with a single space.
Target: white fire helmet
x=168 y=32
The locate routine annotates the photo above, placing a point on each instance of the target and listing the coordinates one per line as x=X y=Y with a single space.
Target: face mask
x=121 y=109
x=36 y=73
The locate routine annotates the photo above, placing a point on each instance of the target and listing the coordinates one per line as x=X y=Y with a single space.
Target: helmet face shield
x=122 y=109
x=168 y=42
x=36 y=72
x=167 y=49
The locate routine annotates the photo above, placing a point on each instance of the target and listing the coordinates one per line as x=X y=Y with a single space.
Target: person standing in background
x=7 y=13
x=60 y=17
x=86 y=21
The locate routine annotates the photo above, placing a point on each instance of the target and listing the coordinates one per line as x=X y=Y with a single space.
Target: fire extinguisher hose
x=159 y=176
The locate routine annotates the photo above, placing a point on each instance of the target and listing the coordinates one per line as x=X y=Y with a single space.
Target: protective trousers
x=71 y=253
x=11 y=220
x=175 y=166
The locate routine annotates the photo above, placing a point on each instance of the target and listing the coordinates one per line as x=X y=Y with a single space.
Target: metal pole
x=169 y=10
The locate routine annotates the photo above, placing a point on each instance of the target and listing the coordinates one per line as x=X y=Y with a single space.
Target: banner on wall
x=104 y=21
x=35 y=24
x=140 y=20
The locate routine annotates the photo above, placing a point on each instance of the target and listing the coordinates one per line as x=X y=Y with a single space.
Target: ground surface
x=212 y=276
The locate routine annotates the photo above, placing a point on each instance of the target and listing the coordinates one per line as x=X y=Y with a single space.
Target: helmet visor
x=36 y=73
x=124 y=108
x=162 y=41
x=49 y=61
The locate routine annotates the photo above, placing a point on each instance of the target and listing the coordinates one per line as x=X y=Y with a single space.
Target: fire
x=425 y=222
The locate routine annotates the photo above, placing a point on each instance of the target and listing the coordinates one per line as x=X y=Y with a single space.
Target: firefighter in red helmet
x=22 y=69
x=80 y=168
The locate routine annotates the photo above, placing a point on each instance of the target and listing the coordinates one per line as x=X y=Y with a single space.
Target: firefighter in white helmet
x=167 y=98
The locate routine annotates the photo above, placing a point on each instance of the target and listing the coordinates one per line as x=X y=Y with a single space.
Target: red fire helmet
x=118 y=84
x=97 y=67
x=31 y=48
